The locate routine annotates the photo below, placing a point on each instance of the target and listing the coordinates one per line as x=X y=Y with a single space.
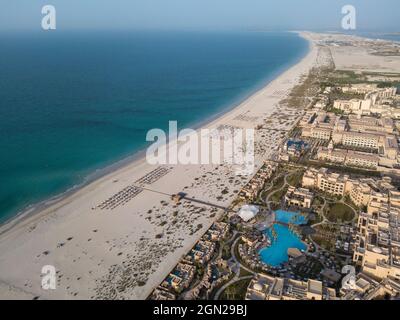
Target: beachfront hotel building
x=364 y=133
x=251 y=190
x=363 y=191
x=370 y=104
x=162 y=294
x=264 y=287
x=299 y=197
x=329 y=182
x=201 y=252
x=348 y=157
x=384 y=144
x=180 y=277
x=318 y=125
x=367 y=133
x=365 y=123
x=217 y=231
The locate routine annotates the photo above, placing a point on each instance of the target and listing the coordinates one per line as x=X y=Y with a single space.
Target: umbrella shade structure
x=248 y=212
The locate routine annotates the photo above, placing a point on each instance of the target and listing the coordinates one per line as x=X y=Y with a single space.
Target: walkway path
x=238 y=266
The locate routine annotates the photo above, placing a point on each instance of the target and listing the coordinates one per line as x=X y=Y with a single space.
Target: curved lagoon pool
x=276 y=253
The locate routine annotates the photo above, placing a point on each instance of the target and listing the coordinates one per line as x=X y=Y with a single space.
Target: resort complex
x=316 y=218
x=326 y=202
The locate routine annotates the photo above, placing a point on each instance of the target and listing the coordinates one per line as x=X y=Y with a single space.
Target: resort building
x=162 y=294
x=250 y=191
x=377 y=247
x=201 y=252
x=217 y=231
x=299 y=197
x=359 y=88
x=363 y=192
x=371 y=104
x=364 y=124
x=357 y=106
x=380 y=144
x=348 y=157
x=180 y=278
x=329 y=182
x=264 y=287
x=367 y=288
x=318 y=125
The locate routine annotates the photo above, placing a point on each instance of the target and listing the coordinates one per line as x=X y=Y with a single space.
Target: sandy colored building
x=318 y=125
x=366 y=106
x=358 y=123
x=329 y=182
x=180 y=278
x=359 y=88
x=377 y=248
x=384 y=145
x=201 y=252
x=367 y=288
x=357 y=106
x=348 y=157
x=299 y=197
x=264 y=287
x=363 y=192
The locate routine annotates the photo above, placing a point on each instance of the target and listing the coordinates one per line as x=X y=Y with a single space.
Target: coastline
x=137 y=156
x=72 y=213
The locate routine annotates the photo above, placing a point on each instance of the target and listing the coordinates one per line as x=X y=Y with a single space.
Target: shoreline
x=137 y=156
x=81 y=242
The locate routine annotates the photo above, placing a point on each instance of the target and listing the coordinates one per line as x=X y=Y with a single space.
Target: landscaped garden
x=339 y=212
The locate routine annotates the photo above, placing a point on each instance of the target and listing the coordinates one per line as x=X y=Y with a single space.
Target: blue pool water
x=276 y=254
x=289 y=217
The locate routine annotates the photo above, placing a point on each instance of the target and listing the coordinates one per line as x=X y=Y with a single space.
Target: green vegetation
x=244 y=273
x=339 y=212
x=226 y=251
x=309 y=87
x=236 y=291
x=311 y=268
x=295 y=178
x=325 y=236
x=342 y=169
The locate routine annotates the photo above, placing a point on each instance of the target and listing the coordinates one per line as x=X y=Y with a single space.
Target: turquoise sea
x=72 y=103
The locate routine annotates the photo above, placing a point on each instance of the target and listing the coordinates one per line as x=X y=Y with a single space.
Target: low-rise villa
x=180 y=278
x=217 y=231
x=201 y=252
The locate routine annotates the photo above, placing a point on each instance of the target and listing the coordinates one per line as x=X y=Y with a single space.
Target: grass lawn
x=277 y=196
x=244 y=273
x=295 y=178
x=339 y=212
x=236 y=291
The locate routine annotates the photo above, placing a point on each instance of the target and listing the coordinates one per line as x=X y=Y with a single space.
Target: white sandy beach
x=124 y=252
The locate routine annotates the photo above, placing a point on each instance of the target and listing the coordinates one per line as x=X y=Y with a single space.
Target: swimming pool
x=276 y=253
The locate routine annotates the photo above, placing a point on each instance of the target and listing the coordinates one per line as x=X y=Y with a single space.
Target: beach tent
x=248 y=212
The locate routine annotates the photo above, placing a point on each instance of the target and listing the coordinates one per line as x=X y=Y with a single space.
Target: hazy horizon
x=253 y=15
